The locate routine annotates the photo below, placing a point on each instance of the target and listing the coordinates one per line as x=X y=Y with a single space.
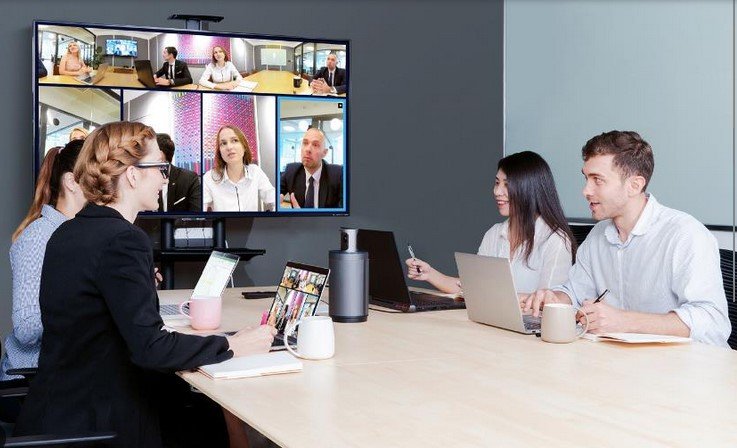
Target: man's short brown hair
x=632 y=154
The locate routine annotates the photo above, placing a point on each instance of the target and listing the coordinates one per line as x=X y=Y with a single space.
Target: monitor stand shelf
x=167 y=255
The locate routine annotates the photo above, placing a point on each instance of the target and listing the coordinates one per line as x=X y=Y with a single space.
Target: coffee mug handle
x=288 y=332
x=585 y=327
x=181 y=308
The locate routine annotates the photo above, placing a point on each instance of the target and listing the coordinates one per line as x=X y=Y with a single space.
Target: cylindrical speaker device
x=349 y=280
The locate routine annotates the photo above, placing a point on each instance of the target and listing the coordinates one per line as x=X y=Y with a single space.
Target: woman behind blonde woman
x=235 y=184
x=72 y=63
x=224 y=74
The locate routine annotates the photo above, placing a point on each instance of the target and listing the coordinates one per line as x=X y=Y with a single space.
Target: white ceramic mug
x=315 y=340
x=559 y=323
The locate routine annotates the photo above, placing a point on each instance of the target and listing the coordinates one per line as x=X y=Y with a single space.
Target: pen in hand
x=412 y=254
x=601 y=296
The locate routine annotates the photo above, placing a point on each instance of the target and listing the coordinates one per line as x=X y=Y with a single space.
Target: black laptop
x=387 y=285
x=145 y=73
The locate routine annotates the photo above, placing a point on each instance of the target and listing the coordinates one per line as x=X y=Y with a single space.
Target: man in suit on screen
x=182 y=193
x=330 y=79
x=313 y=183
x=173 y=72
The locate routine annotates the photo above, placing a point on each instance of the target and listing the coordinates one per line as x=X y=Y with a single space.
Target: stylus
x=412 y=254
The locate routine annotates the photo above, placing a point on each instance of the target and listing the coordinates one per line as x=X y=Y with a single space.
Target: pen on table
x=412 y=254
x=601 y=296
x=265 y=317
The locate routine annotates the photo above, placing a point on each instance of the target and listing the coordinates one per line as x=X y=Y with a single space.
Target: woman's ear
x=131 y=176
x=68 y=183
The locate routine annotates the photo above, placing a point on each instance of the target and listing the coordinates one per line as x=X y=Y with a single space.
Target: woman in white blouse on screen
x=235 y=184
x=536 y=238
x=223 y=73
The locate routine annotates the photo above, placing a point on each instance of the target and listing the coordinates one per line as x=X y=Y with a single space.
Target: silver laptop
x=212 y=282
x=92 y=80
x=491 y=298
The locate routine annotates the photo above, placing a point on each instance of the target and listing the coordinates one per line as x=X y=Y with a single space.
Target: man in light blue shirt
x=660 y=265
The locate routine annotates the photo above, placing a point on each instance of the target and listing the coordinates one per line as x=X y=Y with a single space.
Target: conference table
x=269 y=81
x=437 y=379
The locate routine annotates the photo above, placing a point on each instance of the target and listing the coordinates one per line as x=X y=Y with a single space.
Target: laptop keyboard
x=425 y=300
x=169 y=310
x=532 y=323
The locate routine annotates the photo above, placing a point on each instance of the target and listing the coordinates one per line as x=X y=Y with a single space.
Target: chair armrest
x=27 y=372
x=49 y=440
x=13 y=392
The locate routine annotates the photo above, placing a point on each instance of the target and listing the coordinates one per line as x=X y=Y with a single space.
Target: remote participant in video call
x=330 y=79
x=182 y=194
x=313 y=183
x=174 y=72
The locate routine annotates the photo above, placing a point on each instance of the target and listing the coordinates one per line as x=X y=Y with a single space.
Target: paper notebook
x=637 y=338
x=256 y=365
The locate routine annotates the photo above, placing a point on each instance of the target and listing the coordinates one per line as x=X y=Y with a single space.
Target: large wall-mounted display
x=256 y=125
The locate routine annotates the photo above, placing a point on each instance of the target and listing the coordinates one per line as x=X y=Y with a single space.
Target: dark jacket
x=181 y=73
x=184 y=189
x=339 y=78
x=102 y=332
x=293 y=180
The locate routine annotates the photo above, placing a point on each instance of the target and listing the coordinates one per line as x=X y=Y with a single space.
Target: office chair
x=726 y=262
x=80 y=439
x=581 y=231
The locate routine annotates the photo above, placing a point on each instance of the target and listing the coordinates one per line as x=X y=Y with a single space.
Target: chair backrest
x=56 y=69
x=726 y=262
x=581 y=231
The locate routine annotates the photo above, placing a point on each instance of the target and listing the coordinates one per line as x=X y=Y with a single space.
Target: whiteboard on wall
x=575 y=69
x=273 y=56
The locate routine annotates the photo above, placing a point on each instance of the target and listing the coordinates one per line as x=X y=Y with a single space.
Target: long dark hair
x=58 y=160
x=532 y=193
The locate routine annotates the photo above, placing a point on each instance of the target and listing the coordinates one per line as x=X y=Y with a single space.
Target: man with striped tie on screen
x=330 y=79
x=314 y=183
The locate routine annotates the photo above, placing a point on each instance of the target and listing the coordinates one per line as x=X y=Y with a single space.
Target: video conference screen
x=251 y=125
x=121 y=47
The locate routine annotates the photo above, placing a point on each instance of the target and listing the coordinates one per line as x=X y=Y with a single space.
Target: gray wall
x=575 y=69
x=423 y=151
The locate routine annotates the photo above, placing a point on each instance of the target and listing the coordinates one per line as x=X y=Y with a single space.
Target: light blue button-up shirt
x=23 y=345
x=670 y=262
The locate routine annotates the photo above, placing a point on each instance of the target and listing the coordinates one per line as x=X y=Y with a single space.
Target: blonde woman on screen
x=535 y=238
x=72 y=63
x=223 y=73
x=78 y=134
x=235 y=184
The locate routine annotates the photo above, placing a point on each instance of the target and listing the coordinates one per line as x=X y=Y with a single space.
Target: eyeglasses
x=162 y=166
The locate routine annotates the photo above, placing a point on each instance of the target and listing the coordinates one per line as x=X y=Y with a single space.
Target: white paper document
x=245 y=86
x=636 y=338
x=256 y=365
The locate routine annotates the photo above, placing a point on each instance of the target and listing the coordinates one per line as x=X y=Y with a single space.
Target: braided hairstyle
x=106 y=154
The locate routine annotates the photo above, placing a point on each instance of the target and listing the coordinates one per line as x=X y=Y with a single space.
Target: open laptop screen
x=215 y=276
x=298 y=294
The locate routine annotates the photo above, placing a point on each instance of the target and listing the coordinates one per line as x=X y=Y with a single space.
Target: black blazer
x=181 y=73
x=339 y=78
x=331 y=184
x=183 y=184
x=102 y=332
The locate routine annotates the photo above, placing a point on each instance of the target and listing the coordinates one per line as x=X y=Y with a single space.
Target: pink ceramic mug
x=204 y=312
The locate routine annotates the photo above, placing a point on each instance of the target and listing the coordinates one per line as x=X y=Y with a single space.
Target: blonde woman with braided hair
x=103 y=334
